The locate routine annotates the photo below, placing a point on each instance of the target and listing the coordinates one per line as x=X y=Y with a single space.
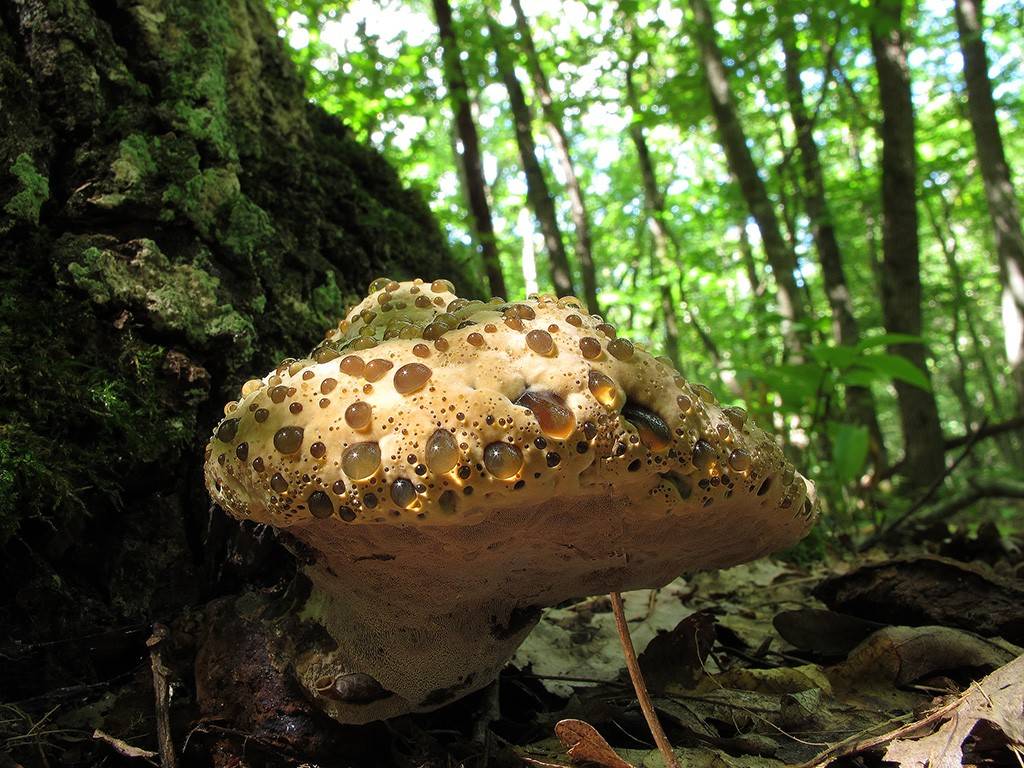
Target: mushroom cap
x=425 y=409
x=453 y=466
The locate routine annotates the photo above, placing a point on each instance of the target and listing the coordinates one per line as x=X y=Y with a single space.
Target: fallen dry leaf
x=585 y=745
x=998 y=699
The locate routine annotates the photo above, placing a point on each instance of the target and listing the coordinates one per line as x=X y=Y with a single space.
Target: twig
x=162 y=694
x=122 y=747
x=639 y=685
x=856 y=744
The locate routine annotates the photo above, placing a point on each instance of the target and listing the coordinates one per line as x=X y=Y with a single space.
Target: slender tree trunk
x=1002 y=200
x=900 y=270
x=654 y=204
x=476 y=191
x=536 y=185
x=560 y=141
x=791 y=301
x=860 y=403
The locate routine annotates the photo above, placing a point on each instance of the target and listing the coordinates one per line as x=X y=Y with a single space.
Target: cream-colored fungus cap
x=470 y=462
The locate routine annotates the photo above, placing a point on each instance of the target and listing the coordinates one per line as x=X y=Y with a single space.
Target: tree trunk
x=792 y=305
x=473 y=172
x=560 y=141
x=900 y=273
x=174 y=218
x=1002 y=200
x=536 y=185
x=860 y=403
x=654 y=205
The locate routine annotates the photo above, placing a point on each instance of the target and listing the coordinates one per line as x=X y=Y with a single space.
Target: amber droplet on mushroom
x=554 y=418
x=540 y=342
x=320 y=505
x=361 y=460
x=411 y=377
x=602 y=388
x=704 y=454
x=227 y=430
x=442 y=452
x=403 y=492
x=503 y=460
x=359 y=415
x=288 y=439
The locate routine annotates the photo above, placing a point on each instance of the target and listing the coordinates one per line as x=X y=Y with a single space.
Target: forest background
x=808 y=207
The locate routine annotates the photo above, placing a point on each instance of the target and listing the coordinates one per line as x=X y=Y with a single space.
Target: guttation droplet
x=278 y=483
x=288 y=439
x=376 y=368
x=654 y=432
x=590 y=347
x=554 y=418
x=704 y=454
x=358 y=415
x=411 y=377
x=320 y=505
x=620 y=348
x=739 y=460
x=736 y=416
x=603 y=388
x=503 y=460
x=442 y=452
x=227 y=430
x=540 y=342
x=403 y=492
x=361 y=460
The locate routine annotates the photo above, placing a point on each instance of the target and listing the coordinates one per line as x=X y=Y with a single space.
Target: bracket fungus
x=451 y=467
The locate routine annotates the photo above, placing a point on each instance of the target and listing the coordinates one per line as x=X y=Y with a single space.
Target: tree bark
x=560 y=141
x=1002 y=200
x=860 y=403
x=900 y=271
x=174 y=218
x=473 y=172
x=792 y=305
x=536 y=185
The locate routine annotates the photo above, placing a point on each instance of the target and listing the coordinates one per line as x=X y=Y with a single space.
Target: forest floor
x=911 y=657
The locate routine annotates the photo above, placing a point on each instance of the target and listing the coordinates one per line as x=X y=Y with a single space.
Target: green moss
x=135 y=161
x=35 y=190
x=178 y=298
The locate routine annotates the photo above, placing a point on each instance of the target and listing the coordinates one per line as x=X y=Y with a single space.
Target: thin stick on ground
x=639 y=685
x=161 y=690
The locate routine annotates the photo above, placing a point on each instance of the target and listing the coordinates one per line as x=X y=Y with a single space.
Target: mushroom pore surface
x=451 y=467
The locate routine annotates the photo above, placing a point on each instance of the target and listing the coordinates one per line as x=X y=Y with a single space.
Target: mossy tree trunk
x=174 y=218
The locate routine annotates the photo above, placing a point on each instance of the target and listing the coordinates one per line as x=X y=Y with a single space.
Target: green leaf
x=849 y=449
x=886 y=339
x=895 y=367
